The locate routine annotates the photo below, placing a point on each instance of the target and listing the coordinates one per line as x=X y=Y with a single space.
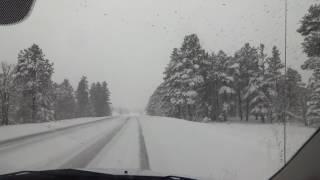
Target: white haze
x=128 y=42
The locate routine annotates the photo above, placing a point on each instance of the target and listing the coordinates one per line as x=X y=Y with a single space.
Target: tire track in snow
x=144 y=158
x=11 y=144
x=82 y=159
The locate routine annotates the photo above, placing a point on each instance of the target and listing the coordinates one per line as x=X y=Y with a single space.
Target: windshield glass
x=218 y=89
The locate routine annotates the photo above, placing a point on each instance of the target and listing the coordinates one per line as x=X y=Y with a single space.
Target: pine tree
x=199 y=86
x=303 y=96
x=65 y=104
x=106 y=99
x=159 y=103
x=33 y=74
x=172 y=84
x=310 y=30
x=94 y=98
x=100 y=99
x=82 y=96
x=259 y=88
x=274 y=67
x=292 y=86
x=274 y=78
x=189 y=76
x=219 y=89
x=248 y=65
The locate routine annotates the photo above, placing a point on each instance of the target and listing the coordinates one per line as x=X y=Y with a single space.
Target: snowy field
x=165 y=145
x=218 y=150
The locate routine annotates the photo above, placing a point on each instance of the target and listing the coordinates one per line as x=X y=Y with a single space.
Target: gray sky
x=128 y=42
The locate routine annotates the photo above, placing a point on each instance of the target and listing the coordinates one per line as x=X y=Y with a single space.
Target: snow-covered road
x=108 y=143
x=164 y=145
x=55 y=149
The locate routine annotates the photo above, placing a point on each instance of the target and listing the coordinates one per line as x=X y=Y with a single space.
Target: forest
x=250 y=84
x=28 y=93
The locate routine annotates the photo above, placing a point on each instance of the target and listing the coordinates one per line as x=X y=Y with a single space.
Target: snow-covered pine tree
x=248 y=65
x=159 y=103
x=65 y=104
x=313 y=112
x=206 y=92
x=106 y=99
x=259 y=88
x=220 y=86
x=310 y=30
x=189 y=77
x=94 y=97
x=183 y=78
x=275 y=66
x=82 y=96
x=33 y=74
x=292 y=87
x=274 y=78
x=172 y=84
x=100 y=99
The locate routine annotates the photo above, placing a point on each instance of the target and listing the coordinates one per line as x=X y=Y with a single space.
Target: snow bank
x=218 y=150
x=19 y=130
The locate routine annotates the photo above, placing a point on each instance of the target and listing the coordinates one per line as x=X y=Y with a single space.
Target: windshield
x=218 y=89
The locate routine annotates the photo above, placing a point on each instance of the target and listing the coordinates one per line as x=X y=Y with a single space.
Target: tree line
x=199 y=85
x=28 y=93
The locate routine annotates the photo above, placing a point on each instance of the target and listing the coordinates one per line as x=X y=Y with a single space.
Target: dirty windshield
x=216 y=89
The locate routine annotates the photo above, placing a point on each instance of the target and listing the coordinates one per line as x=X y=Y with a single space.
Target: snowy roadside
x=218 y=150
x=21 y=130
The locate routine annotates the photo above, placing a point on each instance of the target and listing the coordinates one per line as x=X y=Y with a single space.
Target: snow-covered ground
x=18 y=130
x=122 y=151
x=218 y=150
x=165 y=145
x=53 y=150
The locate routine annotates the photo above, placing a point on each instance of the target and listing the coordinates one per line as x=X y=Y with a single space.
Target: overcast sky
x=128 y=42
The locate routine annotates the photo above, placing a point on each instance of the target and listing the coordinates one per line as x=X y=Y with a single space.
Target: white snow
x=122 y=152
x=218 y=150
x=211 y=150
x=55 y=151
x=18 y=130
x=226 y=89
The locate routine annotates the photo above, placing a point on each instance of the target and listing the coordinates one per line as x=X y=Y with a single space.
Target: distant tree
x=65 y=104
x=82 y=96
x=106 y=99
x=6 y=89
x=100 y=99
x=33 y=74
x=94 y=98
